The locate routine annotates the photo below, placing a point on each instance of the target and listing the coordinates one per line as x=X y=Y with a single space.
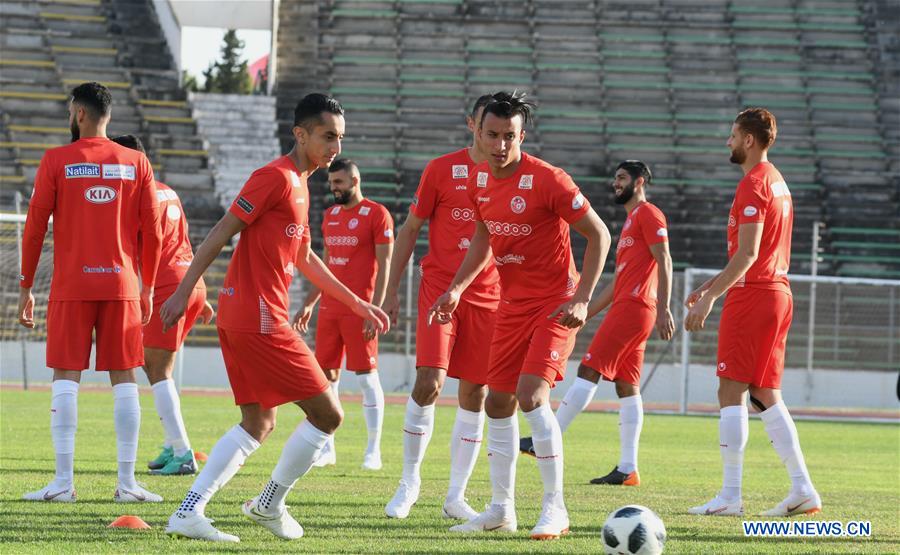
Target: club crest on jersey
x=118 y=171
x=554 y=356
x=75 y=171
x=353 y=223
x=244 y=205
x=100 y=194
x=481 y=180
x=335 y=210
x=517 y=204
x=460 y=172
x=526 y=182
x=364 y=210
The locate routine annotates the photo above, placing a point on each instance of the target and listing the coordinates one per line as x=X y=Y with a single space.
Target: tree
x=229 y=75
x=189 y=82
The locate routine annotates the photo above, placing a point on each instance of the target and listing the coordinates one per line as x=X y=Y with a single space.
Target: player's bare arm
x=32 y=244
x=665 y=323
x=477 y=257
x=574 y=313
x=302 y=317
x=219 y=236
x=383 y=257
x=404 y=245
x=318 y=273
x=603 y=299
x=749 y=239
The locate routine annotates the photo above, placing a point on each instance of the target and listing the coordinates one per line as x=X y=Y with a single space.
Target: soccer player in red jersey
x=454 y=349
x=639 y=293
x=101 y=196
x=359 y=237
x=755 y=320
x=523 y=210
x=177 y=457
x=268 y=364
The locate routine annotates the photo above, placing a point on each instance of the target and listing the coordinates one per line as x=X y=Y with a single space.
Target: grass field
x=856 y=468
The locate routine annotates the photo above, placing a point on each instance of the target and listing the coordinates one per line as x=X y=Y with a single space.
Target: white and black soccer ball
x=633 y=530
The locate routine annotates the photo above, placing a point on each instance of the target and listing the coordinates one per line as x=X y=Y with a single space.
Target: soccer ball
x=633 y=530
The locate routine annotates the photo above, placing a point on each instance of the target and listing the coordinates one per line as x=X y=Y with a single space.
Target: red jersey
x=636 y=270
x=763 y=196
x=528 y=216
x=102 y=196
x=350 y=238
x=274 y=203
x=176 y=245
x=443 y=199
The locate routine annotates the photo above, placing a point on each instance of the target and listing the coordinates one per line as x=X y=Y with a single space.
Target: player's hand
x=572 y=314
x=370 y=312
x=697 y=314
x=391 y=306
x=173 y=310
x=369 y=332
x=146 y=305
x=208 y=313
x=665 y=324
x=300 y=323
x=695 y=296
x=443 y=307
x=26 y=308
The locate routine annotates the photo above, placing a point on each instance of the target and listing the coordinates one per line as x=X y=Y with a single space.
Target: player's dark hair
x=482 y=101
x=343 y=164
x=760 y=123
x=636 y=169
x=94 y=98
x=311 y=107
x=130 y=141
x=508 y=105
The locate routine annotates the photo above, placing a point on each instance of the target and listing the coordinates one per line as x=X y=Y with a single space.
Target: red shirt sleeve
x=425 y=199
x=565 y=199
x=383 y=227
x=750 y=201
x=43 y=201
x=653 y=225
x=151 y=231
x=265 y=187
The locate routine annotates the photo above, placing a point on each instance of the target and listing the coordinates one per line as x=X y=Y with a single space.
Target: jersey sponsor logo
x=164 y=195
x=526 y=182
x=484 y=199
x=509 y=259
x=388 y=233
x=508 y=229
x=173 y=212
x=463 y=214
x=578 y=202
x=244 y=205
x=100 y=194
x=353 y=223
x=336 y=210
x=184 y=263
x=464 y=244
x=624 y=243
x=517 y=204
x=461 y=188
x=662 y=232
x=481 y=180
x=334 y=223
x=118 y=171
x=364 y=210
x=750 y=211
x=295 y=179
x=114 y=269
x=460 y=172
x=338 y=260
x=76 y=171
x=341 y=241
x=227 y=291
x=295 y=231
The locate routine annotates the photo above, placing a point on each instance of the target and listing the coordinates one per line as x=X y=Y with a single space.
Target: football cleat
x=458 y=509
x=185 y=464
x=495 y=518
x=796 y=504
x=52 y=493
x=552 y=524
x=617 y=478
x=372 y=461
x=719 y=507
x=328 y=456
x=282 y=524
x=197 y=527
x=162 y=459
x=136 y=494
x=406 y=496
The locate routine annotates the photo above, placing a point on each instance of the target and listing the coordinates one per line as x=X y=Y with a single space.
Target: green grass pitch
x=856 y=468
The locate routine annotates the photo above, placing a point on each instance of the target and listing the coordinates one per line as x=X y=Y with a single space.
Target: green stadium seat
x=364 y=13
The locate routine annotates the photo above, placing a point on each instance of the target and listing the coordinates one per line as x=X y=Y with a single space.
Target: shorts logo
x=388 y=233
x=100 y=194
x=750 y=211
x=587 y=356
x=338 y=261
x=364 y=211
x=75 y=171
x=481 y=180
x=295 y=231
x=517 y=204
x=463 y=214
x=371 y=360
x=244 y=205
x=460 y=172
x=227 y=291
x=526 y=182
x=295 y=179
x=353 y=223
x=341 y=241
x=173 y=212
x=335 y=211
x=578 y=202
x=662 y=232
x=464 y=244
x=554 y=356
x=118 y=171
x=508 y=229
x=722 y=367
x=509 y=259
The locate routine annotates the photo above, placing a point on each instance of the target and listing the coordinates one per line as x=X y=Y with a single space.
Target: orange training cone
x=200 y=456
x=129 y=521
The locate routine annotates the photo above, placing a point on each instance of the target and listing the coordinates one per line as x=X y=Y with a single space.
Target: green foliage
x=229 y=74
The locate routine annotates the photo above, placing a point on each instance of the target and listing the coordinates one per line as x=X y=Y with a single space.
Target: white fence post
x=686 y=345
